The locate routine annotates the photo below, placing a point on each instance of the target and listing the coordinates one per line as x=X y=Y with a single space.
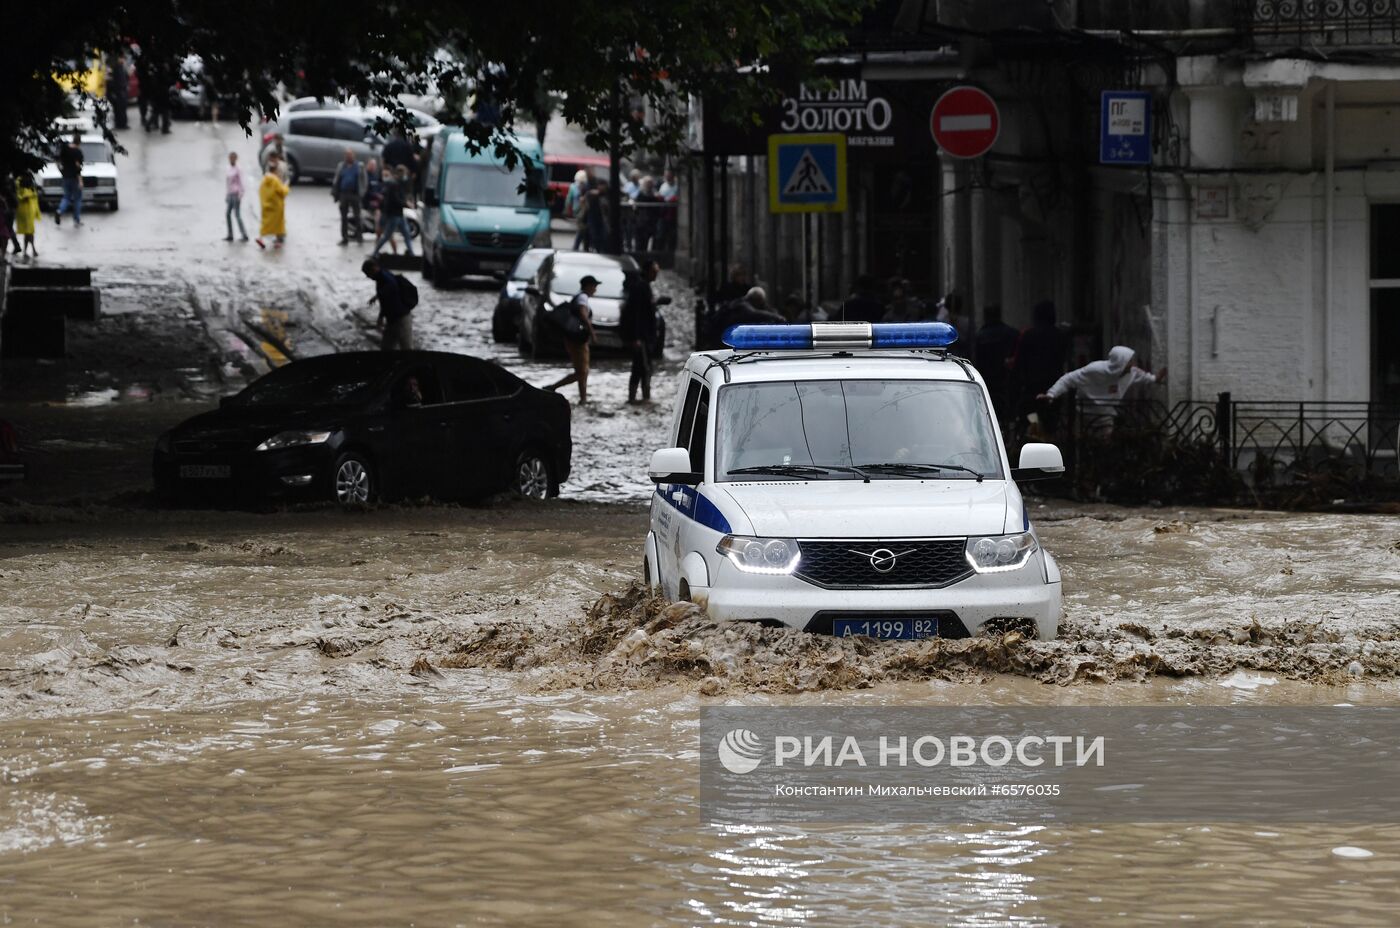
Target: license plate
x=898 y=629
x=495 y=265
x=205 y=471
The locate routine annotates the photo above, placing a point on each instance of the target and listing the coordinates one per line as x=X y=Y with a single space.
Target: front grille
x=89 y=181
x=209 y=446
x=917 y=562
x=511 y=240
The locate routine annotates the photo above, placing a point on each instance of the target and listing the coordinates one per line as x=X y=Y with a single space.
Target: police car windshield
x=896 y=425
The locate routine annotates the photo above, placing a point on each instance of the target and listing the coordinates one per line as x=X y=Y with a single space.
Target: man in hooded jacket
x=1104 y=384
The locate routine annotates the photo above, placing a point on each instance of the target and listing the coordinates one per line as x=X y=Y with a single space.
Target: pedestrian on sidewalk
x=595 y=214
x=573 y=207
x=638 y=325
x=374 y=192
x=233 y=198
x=396 y=197
x=272 y=197
x=279 y=152
x=70 y=166
x=578 y=336
x=26 y=211
x=395 y=311
x=348 y=187
x=117 y=82
x=9 y=205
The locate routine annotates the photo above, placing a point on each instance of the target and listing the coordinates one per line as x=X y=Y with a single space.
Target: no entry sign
x=965 y=122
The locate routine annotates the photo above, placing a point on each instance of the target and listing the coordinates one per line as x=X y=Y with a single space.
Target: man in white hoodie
x=1104 y=384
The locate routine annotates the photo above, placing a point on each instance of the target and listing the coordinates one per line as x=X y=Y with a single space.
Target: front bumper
x=253 y=477
x=458 y=260
x=1017 y=594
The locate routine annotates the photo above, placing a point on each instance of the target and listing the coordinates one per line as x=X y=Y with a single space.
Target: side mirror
x=1039 y=462
x=672 y=465
x=663 y=301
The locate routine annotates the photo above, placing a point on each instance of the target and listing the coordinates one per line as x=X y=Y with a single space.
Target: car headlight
x=293 y=439
x=992 y=553
x=760 y=555
x=163 y=443
x=450 y=233
x=106 y=182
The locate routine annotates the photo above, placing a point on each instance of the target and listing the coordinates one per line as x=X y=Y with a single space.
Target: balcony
x=1322 y=24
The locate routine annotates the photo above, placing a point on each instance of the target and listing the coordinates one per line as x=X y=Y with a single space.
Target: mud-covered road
x=469 y=715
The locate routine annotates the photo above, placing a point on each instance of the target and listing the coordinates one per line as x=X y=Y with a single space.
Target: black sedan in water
x=354 y=427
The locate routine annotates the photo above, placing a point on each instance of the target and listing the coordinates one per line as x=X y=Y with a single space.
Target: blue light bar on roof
x=840 y=335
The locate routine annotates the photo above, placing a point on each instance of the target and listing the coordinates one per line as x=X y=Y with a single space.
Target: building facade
x=1257 y=253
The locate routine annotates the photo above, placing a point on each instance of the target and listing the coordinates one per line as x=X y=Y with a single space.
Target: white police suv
x=847 y=478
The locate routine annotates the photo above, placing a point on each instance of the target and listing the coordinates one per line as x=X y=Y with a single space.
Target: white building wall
x=1246 y=297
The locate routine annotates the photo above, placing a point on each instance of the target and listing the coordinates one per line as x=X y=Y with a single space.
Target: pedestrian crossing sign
x=807 y=173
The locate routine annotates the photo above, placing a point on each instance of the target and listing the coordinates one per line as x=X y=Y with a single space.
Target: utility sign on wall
x=807 y=173
x=1125 y=127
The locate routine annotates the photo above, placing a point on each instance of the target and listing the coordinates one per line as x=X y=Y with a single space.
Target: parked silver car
x=315 y=140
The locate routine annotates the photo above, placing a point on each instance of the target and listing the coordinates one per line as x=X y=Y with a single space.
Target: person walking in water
x=396 y=197
x=233 y=197
x=70 y=166
x=395 y=313
x=578 y=336
x=638 y=325
x=272 y=196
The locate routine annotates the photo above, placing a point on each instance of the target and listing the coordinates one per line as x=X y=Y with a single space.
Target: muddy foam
x=632 y=639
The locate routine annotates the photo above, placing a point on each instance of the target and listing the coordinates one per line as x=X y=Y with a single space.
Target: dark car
x=505 y=321
x=557 y=281
x=357 y=426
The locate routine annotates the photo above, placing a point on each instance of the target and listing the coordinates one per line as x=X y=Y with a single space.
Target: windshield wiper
x=908 y=467
x=784 y=470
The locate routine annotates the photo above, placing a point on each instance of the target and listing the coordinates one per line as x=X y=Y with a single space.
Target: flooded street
x=441 y=715
x=297 y=713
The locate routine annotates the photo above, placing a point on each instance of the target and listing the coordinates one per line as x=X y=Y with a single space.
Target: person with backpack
x=578 y=336
x=396 y=296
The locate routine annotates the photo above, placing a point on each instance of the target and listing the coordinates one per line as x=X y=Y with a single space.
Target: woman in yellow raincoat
x=272 y=196
x=26 y=212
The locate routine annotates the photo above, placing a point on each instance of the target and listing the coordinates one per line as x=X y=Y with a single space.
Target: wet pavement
x=467 y=715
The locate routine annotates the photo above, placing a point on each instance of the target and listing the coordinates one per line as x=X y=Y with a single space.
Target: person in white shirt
x=578 y=336
x=1104 y=384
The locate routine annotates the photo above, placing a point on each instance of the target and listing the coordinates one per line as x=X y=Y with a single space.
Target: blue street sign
x=1125 y=127
x=807 y=173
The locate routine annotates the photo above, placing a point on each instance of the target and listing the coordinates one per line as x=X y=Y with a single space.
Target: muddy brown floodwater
x=429 y=716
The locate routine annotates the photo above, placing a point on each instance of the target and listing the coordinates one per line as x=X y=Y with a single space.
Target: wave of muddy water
x=429 y=716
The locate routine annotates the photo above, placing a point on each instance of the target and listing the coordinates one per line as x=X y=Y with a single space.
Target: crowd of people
x=648 y=212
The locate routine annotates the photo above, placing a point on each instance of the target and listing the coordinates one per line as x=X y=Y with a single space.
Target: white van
x=847 y=478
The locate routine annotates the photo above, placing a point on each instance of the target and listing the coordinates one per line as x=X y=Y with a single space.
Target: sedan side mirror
x=1039 y=462
x=672 y=465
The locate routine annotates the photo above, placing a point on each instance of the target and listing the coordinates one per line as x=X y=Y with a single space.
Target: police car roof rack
x=931 y=355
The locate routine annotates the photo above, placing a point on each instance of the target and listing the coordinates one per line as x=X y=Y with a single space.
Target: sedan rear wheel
x=354 y=482
x=532 y=475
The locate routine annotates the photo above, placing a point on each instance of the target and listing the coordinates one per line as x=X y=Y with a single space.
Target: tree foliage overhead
x=596 y=56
